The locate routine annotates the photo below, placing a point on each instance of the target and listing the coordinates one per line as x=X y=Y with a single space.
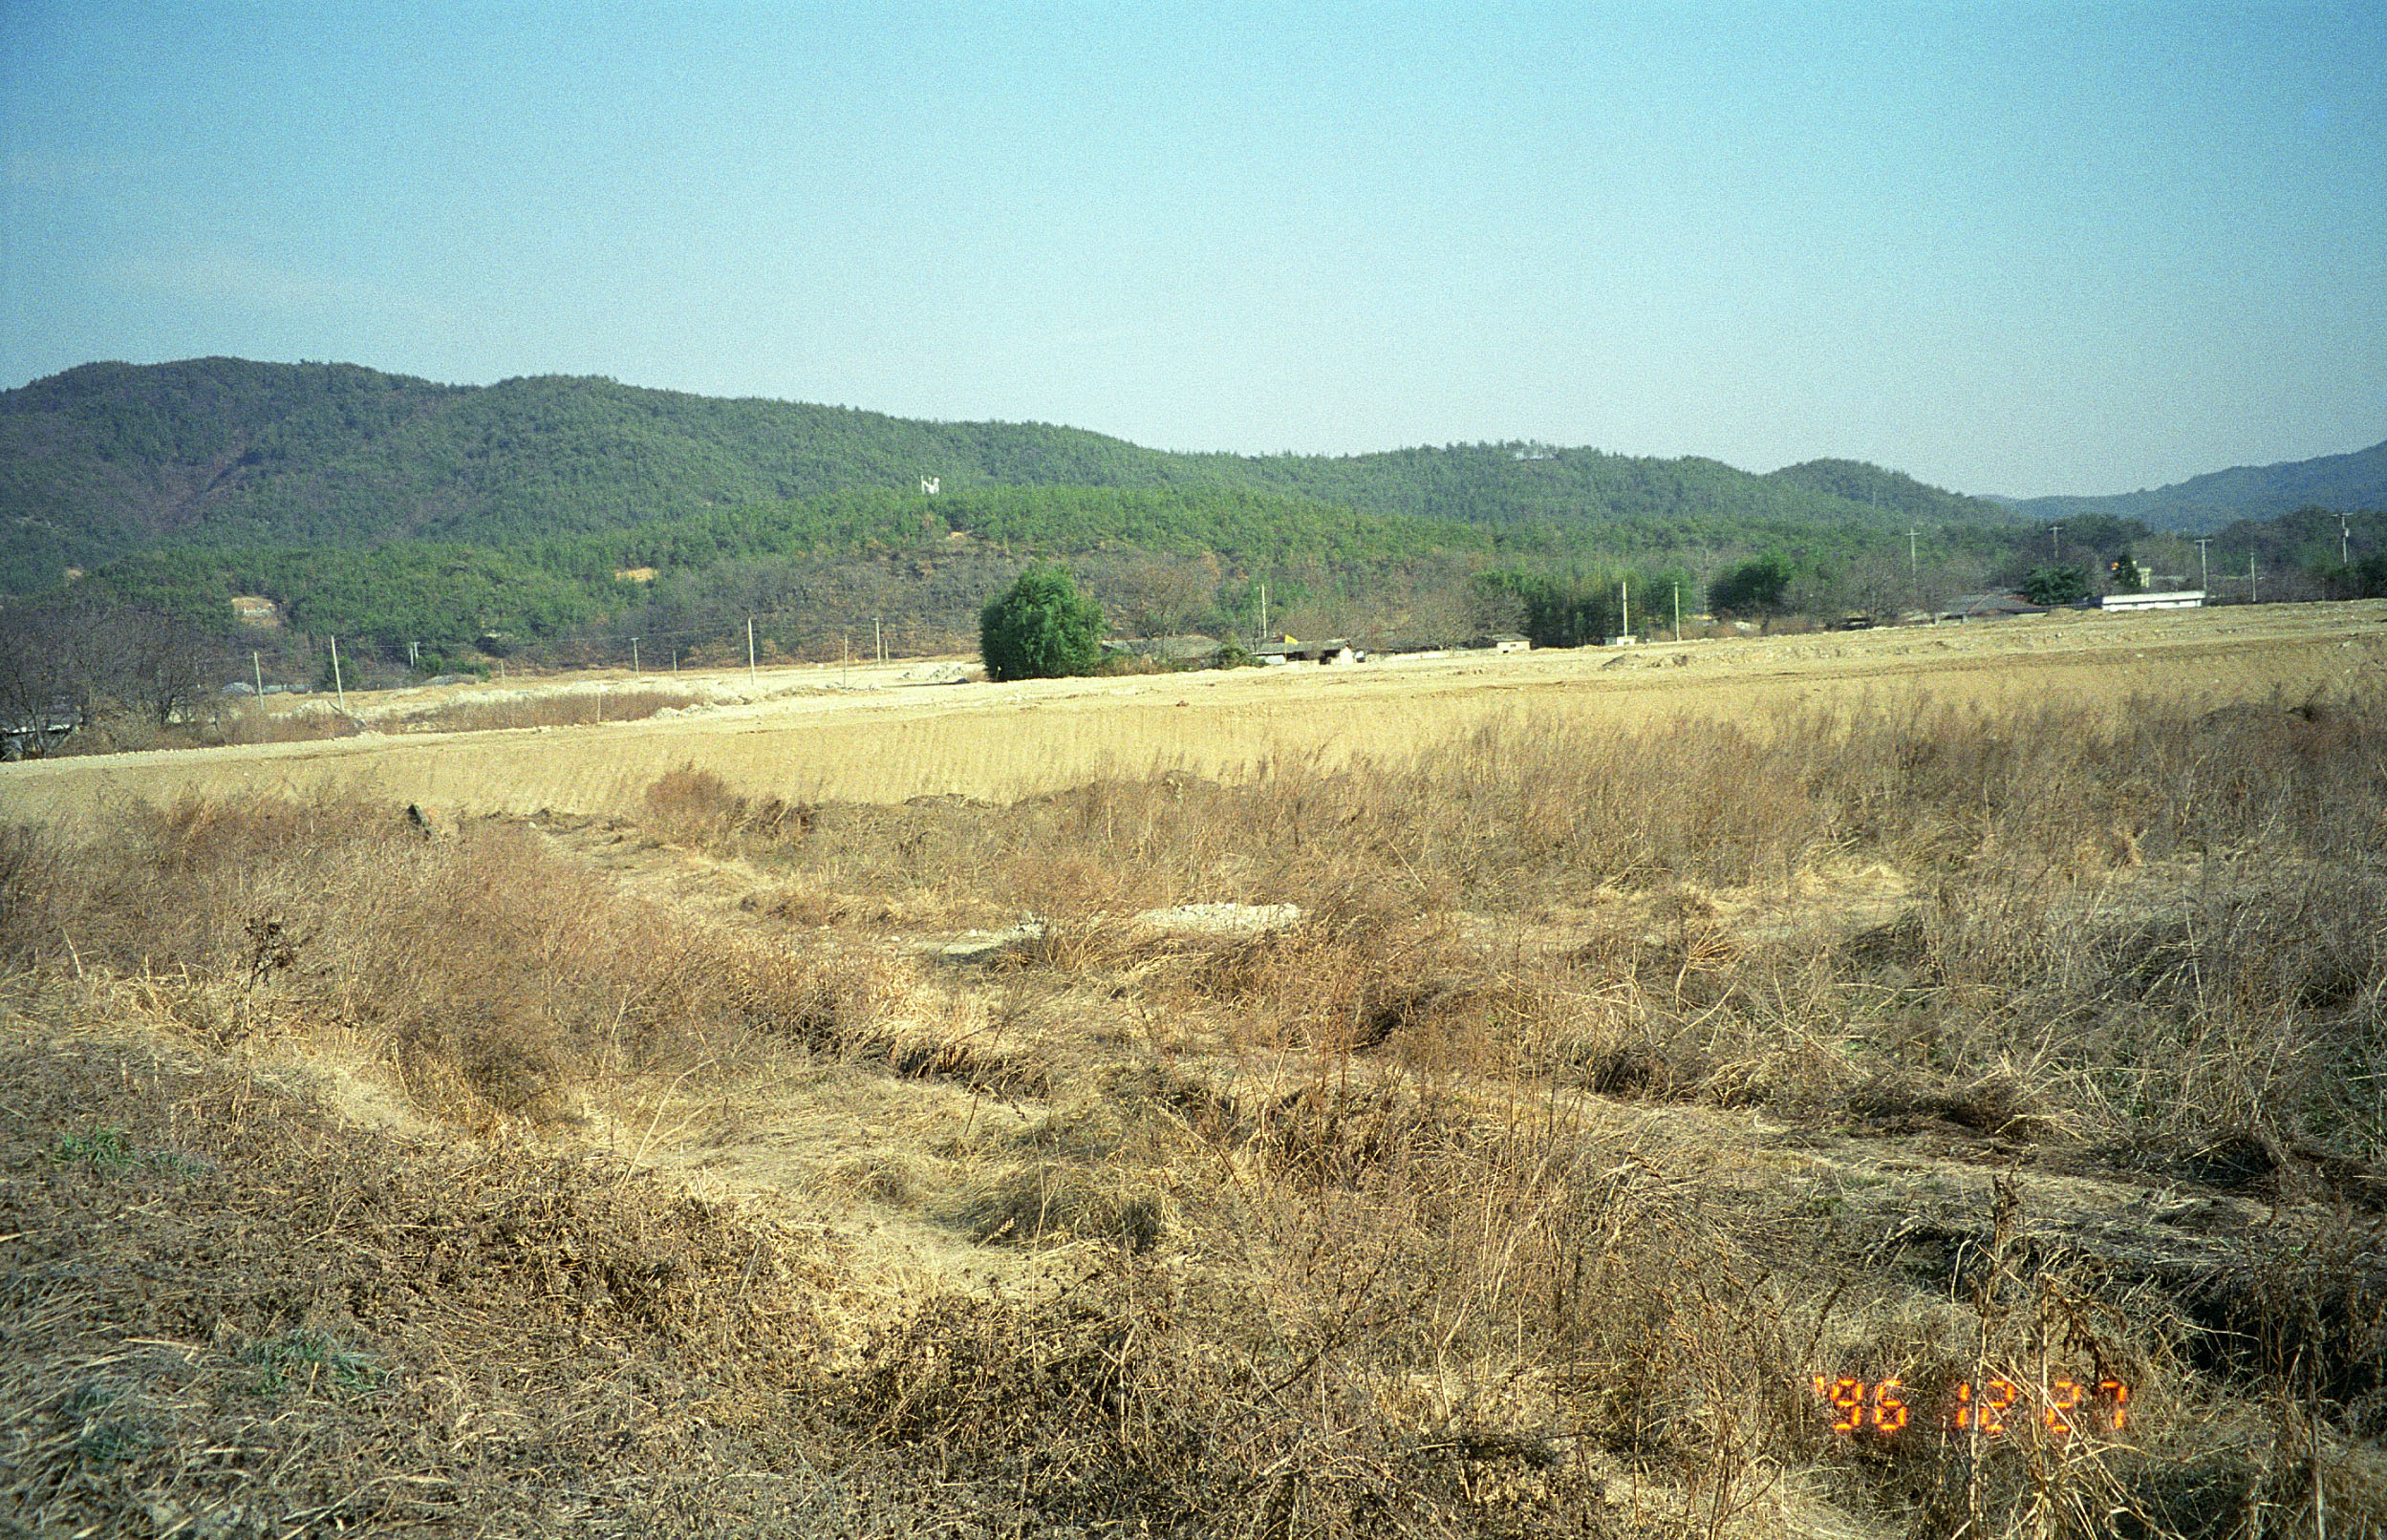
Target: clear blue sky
x=2007 y=248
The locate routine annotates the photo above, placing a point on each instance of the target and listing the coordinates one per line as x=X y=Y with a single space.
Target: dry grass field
x=889 y=733
x=1458 y=1097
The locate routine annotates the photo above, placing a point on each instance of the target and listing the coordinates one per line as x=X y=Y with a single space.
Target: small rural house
x=1293 y=649
x=1989 y=607
x=2163 y=599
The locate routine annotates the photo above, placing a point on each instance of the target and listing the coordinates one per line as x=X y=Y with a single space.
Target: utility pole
x=337 y=688
x=1678 y=611
x=2254 y=595
x=2204 y=567
x=749 y=650
x=2056 y=542
x=1625 y=603
x=1263 y=611
x=878 y=639
x=1914 y=563
x=634 y=655
x=2345 y=547
x=259 y=670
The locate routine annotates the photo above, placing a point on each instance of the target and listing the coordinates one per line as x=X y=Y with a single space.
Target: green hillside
x=108 y=459
x=451 y=593
x=1893 y=493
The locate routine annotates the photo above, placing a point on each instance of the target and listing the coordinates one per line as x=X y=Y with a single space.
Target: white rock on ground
x=1220 y=919
x=1185 y=919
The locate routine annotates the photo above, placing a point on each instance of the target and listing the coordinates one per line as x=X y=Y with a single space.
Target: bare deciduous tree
x=75 y=654
x=165 y=665
x=44 y=659
x=1160 y=595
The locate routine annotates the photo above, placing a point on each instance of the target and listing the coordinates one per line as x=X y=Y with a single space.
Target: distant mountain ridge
x=2204 y=504
x=109 y=460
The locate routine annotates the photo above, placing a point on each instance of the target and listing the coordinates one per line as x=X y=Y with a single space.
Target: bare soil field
x=891 y=732
x=1900 y=1084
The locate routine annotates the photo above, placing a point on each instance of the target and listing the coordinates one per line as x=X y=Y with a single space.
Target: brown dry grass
x=513 y=710
x=1482 y=1201
x=228 y=1312
x=891 y=742
x=2175 y=925
x=248 y=723
x=251 y=725
x=114 y=731
x=490 y=978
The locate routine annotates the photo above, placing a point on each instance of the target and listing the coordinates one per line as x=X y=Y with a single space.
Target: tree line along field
x=1607 y=1070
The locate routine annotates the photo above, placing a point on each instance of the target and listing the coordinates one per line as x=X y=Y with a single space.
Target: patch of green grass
x=107 y=1149
x=176 y=1163
x=101 y=1440
x=102 y=1149
x=89 y=1397
x=312 y=1356
x=102 y=1444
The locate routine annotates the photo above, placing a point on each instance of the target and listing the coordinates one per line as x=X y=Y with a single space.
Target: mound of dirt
x=226 y=1313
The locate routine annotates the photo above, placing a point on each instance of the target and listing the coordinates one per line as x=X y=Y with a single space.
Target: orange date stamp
x=1882 y=1408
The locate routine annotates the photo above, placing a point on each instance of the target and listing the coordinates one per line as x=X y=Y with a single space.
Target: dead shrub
x=1335 y=1133
x=1644 y=1071
x=1999 y=1105
x=804 y=905
x=964 y=1059
x=248 y=1324
x=574 y=708
x=498 y=980
x=695 y=807
x=30 y=871
x=1344 y=980
x=1031 y=1205
x=307 y=725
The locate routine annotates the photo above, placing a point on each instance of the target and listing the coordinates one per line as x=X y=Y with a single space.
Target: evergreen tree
x=2069 y=584
x=1752 y=588
x=1042 y=627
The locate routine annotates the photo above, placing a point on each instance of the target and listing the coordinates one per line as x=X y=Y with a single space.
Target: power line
x=775 y=622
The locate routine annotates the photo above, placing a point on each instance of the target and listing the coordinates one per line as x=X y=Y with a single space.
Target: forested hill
x=1890 y=492
x=2204 y=504
x=108 y=459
